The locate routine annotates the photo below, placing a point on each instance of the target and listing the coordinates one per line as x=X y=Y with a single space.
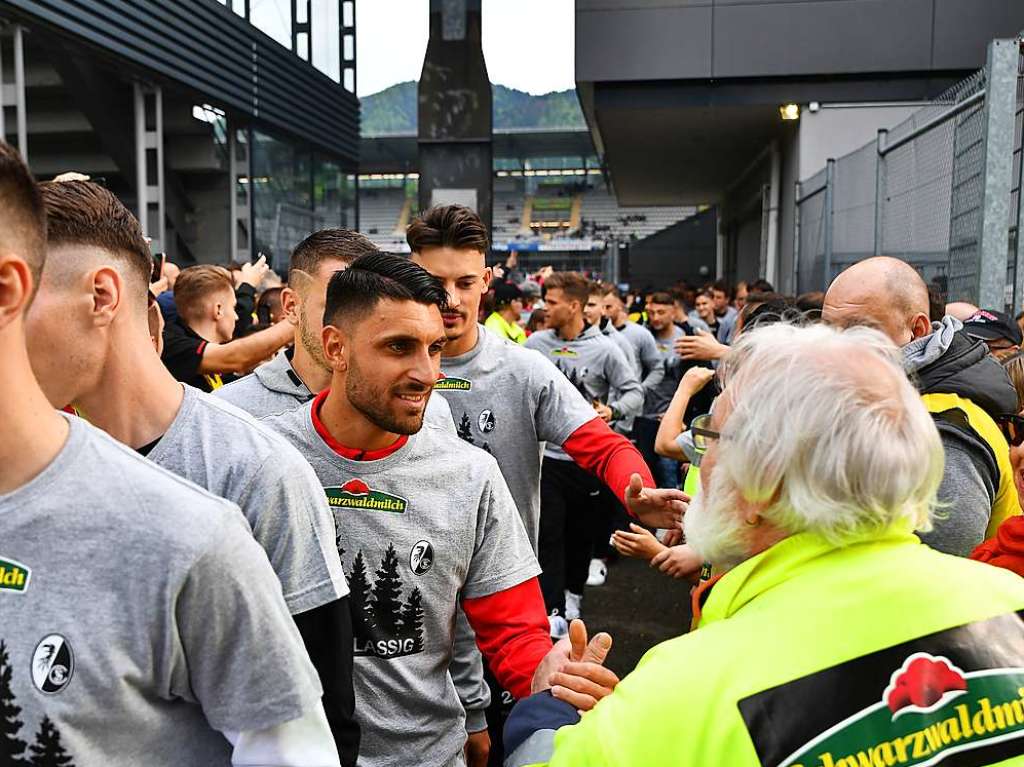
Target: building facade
x=231 y=127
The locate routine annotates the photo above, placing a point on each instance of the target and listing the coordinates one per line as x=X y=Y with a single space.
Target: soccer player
x=90 y=347
x=141 y=622
x=429 y=521
x=296 y=375
x=651 y=368
x=508 y=400
x=570 y=502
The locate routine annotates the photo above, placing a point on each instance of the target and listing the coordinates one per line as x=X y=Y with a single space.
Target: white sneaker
x=573 y=603
x=598 y=572
x=559 y=626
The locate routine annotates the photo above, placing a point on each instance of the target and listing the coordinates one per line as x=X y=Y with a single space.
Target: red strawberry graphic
x=356 y=487
x=922 y=682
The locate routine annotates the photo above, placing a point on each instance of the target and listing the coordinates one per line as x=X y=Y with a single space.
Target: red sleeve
x=609 y=456
x=512 y=632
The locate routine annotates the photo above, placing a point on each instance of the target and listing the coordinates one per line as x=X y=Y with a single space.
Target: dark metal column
x=455 y=151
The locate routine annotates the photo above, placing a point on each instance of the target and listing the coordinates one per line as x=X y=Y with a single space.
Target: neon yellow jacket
x=505 y=329
x=806 y=636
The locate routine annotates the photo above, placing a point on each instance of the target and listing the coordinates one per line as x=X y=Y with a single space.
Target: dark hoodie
x=951 y=362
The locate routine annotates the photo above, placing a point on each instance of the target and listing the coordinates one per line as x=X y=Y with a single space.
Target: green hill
x=393 y=110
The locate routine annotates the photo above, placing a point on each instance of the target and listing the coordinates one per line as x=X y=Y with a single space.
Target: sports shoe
x=572 y=606
x=559 y=627
x=598 y=572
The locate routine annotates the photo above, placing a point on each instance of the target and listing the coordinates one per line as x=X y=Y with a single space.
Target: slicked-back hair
x=329 y=244
x=195 y=284
x=85 y=213
x=22 y=213
x=356 y=291
x=448 y=226
x=573 y=285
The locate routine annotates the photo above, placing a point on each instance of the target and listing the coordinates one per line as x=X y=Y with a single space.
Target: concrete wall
x=622 y=40
x=838 y=129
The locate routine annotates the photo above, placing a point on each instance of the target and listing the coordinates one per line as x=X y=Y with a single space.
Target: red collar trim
x=352 y=453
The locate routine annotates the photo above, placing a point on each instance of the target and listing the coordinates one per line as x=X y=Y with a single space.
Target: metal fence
x=940 y=191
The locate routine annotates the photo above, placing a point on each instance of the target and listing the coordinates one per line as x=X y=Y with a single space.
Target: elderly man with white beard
x=834 y=637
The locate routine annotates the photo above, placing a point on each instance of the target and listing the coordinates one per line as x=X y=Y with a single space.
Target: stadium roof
x=398 y=153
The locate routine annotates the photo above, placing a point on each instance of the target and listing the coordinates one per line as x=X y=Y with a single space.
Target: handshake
x=574 y=670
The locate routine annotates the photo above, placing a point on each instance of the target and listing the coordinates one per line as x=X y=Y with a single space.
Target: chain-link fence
x=936 y=191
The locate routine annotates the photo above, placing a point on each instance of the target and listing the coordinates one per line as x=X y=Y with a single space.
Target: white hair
x=826 y=429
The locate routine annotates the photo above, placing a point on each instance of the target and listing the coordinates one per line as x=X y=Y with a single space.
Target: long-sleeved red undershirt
x=607 y=455
x=352 y=453
x=512 y=632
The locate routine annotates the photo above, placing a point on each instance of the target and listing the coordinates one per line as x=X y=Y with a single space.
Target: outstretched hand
x=573 y=670
x=654 y=507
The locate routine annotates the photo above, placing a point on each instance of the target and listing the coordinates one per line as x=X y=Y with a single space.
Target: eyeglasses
x=701 y=433
x=1013 y=429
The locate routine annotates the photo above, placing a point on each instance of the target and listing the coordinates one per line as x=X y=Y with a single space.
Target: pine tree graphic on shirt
x=576 y=378
x=48 y=751
x=383 y=625
x=465 y=429
x=11 y=747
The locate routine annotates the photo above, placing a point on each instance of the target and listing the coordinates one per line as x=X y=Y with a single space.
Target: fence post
x=796 y=239
x=880 y=184
x=997 y=158
x=1018 y=286
x=830 y=178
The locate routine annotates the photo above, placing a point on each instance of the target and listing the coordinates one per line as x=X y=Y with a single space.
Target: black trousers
x=569 y=521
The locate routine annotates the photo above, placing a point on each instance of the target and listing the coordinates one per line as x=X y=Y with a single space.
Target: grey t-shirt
x=651 y=369
x=509 y=400
x=229 y=453
x=596 y=367
x=275 y=388
x=143 y=620
x=422 y=528
x=656 y=400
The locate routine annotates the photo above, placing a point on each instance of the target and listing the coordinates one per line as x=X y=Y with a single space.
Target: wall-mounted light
x=789 y=111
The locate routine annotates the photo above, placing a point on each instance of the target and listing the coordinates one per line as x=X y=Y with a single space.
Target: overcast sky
x=528 y=44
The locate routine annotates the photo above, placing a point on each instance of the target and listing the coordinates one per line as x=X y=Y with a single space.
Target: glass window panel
x=326 y=38
x=274 y=17
x=239 y=7
x=350 y=80
x=282 y=194
x=302 y=45
x=348 y=13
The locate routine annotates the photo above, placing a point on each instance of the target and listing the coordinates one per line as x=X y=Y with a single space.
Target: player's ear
x=290 y=304
x=335 y=345
x=488 y=276
x=108 y=294
x=15 y=288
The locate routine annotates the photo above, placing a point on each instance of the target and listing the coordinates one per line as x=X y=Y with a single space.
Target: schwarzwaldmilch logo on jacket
x=952 y=698
x=453 y=383
x=356 y=494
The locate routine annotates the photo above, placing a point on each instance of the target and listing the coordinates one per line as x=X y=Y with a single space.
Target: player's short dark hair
x=85 y=213
x=370 y=279
x=574 y=285
x=339 y=244
x=448 y=226
x=724 y=287
x=22 y=212
x=661 y=297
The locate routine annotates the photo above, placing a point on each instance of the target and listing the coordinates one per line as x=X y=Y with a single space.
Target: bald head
x=883 y=293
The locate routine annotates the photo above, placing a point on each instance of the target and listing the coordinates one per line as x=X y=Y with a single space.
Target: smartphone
x=159 y=259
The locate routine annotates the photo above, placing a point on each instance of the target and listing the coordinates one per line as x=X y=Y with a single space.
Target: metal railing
x=941 y=191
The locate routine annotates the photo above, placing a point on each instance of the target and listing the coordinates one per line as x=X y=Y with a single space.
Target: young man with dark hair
x=429 y=521
x=725 y=313
x=156 y=628
x=569 y=495
x=296 y=375
x=508 y=400
x=198 y=345
x=90 y=347
x=648 y=359
x=660 y=314
x=508 y=308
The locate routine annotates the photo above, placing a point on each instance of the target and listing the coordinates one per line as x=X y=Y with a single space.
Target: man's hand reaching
x=653 y=507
